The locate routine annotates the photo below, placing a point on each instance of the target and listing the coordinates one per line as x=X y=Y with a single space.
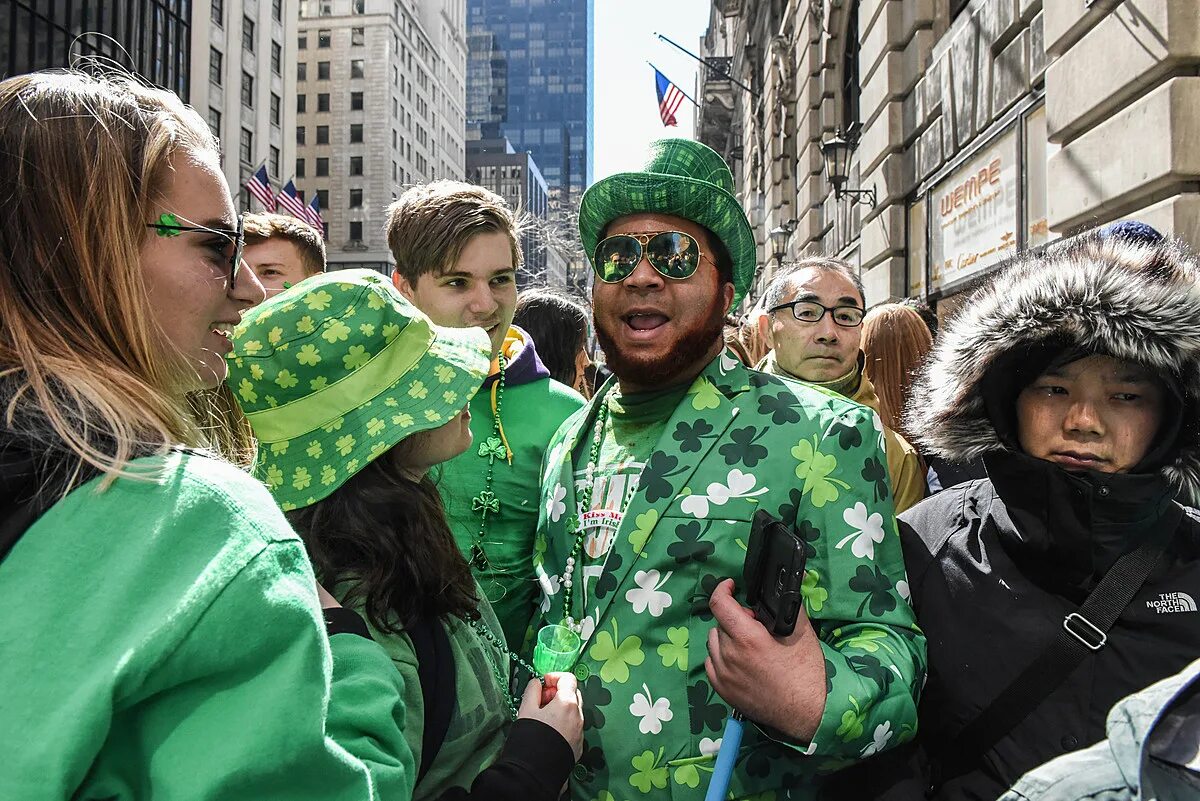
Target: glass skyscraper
x=530 y=69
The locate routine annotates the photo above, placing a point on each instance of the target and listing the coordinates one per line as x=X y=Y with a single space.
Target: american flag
x=259 y=185
x=291 y=202
x=669 y=98
x=313 y=213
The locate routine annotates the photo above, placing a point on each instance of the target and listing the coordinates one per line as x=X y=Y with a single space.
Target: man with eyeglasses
x=648 y=495
x=813 y=326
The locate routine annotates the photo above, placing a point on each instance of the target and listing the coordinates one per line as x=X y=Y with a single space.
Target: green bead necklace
x=486 y=501
x=498 y=644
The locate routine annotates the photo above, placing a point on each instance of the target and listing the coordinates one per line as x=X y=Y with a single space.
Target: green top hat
x=336 y=370
x=685 y=179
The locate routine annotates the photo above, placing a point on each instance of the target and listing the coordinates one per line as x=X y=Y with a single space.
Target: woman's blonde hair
x=82 y=164
x=895 y=341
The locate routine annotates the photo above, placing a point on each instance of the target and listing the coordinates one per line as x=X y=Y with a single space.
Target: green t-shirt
x=635 y=423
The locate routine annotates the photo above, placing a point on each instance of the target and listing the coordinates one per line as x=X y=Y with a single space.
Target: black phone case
x=773 y=573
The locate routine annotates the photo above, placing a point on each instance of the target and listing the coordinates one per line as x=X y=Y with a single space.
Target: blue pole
x=731 y=741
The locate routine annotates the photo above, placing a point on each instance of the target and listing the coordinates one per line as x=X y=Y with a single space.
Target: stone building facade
x=981 y=126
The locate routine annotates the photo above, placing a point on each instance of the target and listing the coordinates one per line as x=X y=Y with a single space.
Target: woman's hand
x=559 y=705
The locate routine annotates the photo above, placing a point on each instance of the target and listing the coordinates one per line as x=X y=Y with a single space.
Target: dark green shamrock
x=593 y=758
x=781 y=407
x=690 y=547
x=744 y=447
x=791 y=509
x=848 y=435
x=756 y=379
x=830 y=672
x=700 y=599
x=658 y=469
x=705 y=713
x=871 y=668
x=758 y=762
x=810 y=534
x=595 y=695
x=876 y=472
x=878 y=589
x=608 y=578
x=691 y=436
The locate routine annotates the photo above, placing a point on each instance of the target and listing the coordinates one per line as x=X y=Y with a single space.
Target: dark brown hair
x=384 y=536
x=308 y=240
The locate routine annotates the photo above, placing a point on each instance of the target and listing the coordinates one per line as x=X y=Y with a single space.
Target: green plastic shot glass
x=556 y=650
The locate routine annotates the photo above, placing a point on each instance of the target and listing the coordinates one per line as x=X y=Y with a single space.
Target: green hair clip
x=287 y=284
x=167 y=225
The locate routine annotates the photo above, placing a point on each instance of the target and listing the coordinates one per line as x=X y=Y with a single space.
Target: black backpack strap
x=435 y=668
x=1083 y=633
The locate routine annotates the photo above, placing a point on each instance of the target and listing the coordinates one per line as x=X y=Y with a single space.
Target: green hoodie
x=163 y=640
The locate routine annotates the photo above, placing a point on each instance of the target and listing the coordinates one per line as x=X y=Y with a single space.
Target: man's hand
x=776 y=681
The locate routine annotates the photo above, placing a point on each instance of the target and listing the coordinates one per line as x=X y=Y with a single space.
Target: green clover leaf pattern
x=814 y=469
x=318 y=301
x=689 y=546
x=659 y=467
x=706 y=713
x=308 y=355
x=878 y=588
x=674 y=651
x=648 y=771
x=781 y=407
x=876 y=472
x=851 y=727
x=849 y=436
x=813 y=593
x=643 y=525
x=335 y=331
x=356 y=357
x=691 y=435
x=745 y=448
x=617 y=655
x=704 y=395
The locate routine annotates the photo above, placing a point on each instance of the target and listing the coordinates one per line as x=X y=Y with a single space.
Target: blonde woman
x=163 y=636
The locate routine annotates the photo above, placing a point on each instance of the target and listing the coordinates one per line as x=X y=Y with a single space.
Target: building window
x=247 y=90
x=301 y=71
x=214 y=122
x=356 y=198
x=248 y=34
x=356 y=132
x=301 y=104
x=323 y=101
x=355 y=231
x=356 y=101
x=299 y=168
x=276 y=57
x=275 y=113
x=302 y=41
x=323 y=199
x=851 y=89
x=218 y=12
x=277 y=10
x=322 y=167
x=356 y=68
x=322 y=70
x=358 y=36
x=300 y=134
x=215 y=60
x=322 y=134
x=324 y=38
x=246 y=151
x=274 y=159
x=359 y=6
x=356 y=165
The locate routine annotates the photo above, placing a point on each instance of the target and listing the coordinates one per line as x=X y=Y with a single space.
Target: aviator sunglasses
x=168 y=226
x=673 y=254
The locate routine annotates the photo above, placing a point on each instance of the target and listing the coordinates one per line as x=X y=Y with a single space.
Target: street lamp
x=837 y=152
x=779 y=236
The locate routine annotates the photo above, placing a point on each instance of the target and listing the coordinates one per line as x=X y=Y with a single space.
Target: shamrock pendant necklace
x=486 y=502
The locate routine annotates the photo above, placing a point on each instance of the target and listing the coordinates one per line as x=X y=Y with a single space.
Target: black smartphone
x=773 y=573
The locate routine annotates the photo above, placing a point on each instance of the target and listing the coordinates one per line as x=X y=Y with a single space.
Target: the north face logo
x=1172 y=602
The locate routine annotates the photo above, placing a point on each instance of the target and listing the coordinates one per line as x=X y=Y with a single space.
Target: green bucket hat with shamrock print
x=336 y=370
x=684 y=179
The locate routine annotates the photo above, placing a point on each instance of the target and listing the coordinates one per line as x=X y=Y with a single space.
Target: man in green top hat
x=647 y=500
x=457 y=252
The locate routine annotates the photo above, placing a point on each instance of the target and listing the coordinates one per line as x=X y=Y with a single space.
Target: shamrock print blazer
x=740 y=440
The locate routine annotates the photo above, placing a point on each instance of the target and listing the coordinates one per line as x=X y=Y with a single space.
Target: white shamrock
x=649 y=594
x=653 y=713
x=588 y=625
x=868 y=530
x=728 y=362
x=554 y=504
x=737 y=485
x=903 y=591
x=879 y=741
x=550 y=586
x=710 y=747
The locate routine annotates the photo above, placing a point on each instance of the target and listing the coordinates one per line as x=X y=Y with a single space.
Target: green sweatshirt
x=163 y=640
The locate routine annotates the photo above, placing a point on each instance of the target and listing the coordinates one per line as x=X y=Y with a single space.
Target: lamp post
x=837 y=152
x=779 y=236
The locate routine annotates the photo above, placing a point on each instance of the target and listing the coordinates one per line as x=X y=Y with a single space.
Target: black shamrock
x=700 y=599
x=689 y=546
x=608 y=579
x=744 y=447
x=659 y=468
x=878 y=588
x=849 y=436
x=870 y=667
x=706 y=714
x=875 y=472
x=781 y=407
x=592 y=758
x=791 y=509
x=595 y=695
x=810 y=534
x=690 y=436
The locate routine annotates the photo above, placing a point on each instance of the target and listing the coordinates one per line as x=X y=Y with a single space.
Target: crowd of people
x=269 y=530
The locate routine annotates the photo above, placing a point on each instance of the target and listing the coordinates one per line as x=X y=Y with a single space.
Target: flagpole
x=722 y=73
x=685 y=94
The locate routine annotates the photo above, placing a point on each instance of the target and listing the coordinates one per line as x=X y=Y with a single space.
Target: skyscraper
x=530 y=69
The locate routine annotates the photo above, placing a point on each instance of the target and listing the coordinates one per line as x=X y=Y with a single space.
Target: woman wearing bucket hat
x=164 y=638
x=354 y=395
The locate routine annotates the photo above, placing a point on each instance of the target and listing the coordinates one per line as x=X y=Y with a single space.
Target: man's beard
x=689 y=347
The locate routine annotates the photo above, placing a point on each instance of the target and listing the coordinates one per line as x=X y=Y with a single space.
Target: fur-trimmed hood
x=1134 y=302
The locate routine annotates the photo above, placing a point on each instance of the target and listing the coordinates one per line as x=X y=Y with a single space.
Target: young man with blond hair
x=282 y=250
x=457 y=253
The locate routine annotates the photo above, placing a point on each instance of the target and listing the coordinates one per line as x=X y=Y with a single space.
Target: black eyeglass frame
x=830 y=310
x=238 y=236
x=643 y=242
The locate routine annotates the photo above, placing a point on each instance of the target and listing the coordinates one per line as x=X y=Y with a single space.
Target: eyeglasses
x=809 y=311
x=168 y=225
x=673 y=254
